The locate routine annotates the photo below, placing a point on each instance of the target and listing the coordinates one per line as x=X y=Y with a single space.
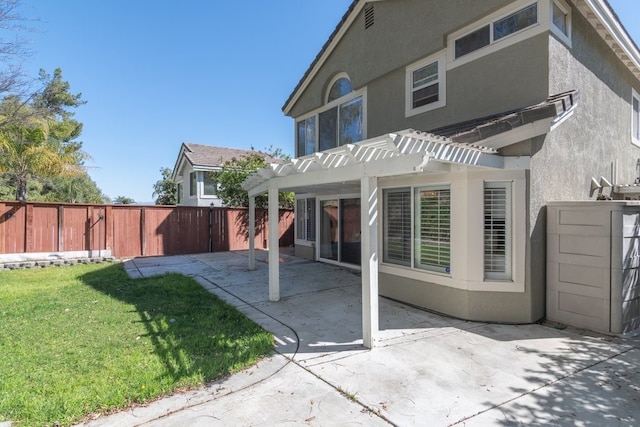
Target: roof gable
x=208 y=157
x=599 y=13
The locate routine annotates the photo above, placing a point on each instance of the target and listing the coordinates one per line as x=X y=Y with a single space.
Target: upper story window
x=496 y=30
x=426 y=85
x=210 y=184
x=340 y=121
x=340 y=88
x=179 y=190
x=193 y=184
x=635 y=118
x=561 y=20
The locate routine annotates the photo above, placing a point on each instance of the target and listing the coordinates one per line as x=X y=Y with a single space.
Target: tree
x=76 y=189
x=13 y=49
x=38 y=135
x=122 y=200
x=233 y=174
x=165 y=189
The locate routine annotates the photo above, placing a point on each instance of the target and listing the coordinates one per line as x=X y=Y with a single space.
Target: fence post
x=211 y=227
x=108 y=228
x=143 y=232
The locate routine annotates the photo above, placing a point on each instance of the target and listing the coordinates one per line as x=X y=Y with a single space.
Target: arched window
x=340 y=121
x=340 y=88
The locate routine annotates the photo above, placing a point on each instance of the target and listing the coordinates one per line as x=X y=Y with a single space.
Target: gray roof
x=210 y=156
x=476 y=130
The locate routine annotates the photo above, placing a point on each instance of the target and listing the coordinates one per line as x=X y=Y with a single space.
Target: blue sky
x=156 y=73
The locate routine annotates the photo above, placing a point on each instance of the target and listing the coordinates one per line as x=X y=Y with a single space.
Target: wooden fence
x=132 y=230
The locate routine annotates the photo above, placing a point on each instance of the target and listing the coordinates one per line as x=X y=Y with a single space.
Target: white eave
x=600 y=16
x=401 y=153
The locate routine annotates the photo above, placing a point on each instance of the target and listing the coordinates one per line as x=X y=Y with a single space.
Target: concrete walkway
x=427 y=370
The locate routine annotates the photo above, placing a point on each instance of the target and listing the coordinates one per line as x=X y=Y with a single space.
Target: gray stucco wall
x=388 y=46
x=463 y=304
x=585 y=145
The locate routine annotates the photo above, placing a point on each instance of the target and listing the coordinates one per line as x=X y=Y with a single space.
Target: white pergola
x=363 y=163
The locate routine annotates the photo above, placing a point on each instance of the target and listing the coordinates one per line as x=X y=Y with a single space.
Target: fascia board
x=327 y=52
x=614 y=28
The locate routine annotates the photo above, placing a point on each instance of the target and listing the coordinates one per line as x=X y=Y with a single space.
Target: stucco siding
x=508 y=79
x=404 y=32
x=463 y=304
x=586 y=144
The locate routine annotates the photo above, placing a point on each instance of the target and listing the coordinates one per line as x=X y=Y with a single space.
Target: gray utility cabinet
x=593 y=259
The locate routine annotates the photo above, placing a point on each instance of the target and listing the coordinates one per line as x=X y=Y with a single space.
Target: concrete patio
x=426 y=370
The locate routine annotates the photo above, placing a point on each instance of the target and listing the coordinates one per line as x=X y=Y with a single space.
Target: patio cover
x=359 y=166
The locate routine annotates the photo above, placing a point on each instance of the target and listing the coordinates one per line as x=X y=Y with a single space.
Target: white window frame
x=386 y=229
x=417 y=242
x=206 y=195
x=635 y=115
x=305 y=241
x=506 y=274
x=467 y=230
x=509 y=40
x=336 y=103
x=333 y=82
x=441 y=59
x=193 y=192
x=564 y=7
x=179 y=192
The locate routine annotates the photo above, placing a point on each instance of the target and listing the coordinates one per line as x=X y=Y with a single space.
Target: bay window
x=433 y=228
x=497 y=230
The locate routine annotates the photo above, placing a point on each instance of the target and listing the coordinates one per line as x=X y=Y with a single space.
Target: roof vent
x=369 y=16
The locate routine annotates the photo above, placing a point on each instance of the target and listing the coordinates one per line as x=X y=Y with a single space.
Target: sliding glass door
x=340 y=230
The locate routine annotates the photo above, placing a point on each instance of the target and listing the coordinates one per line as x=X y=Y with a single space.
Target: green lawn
x=88 y=339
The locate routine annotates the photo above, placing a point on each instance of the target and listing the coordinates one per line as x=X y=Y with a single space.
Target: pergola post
x=369 y=243
x=274 y=245
x=252 y=232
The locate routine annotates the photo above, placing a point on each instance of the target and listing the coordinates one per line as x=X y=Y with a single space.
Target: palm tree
x=37 y=136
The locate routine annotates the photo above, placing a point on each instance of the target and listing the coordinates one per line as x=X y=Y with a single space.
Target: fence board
x=12 y=228
x=44 y=236
x=127 y=231
x=132 y=230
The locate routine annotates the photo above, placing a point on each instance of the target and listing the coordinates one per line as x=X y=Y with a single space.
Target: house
x=195 y=172
x=431 y=134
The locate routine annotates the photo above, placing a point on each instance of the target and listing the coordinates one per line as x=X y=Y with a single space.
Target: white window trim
x=506 y=275
x=331 y=83
x=634 y=96
x=565 y=38
x=305 y=197
x=467 y=255
x=441 y=59
x=494 y=46
x=196 y=192
x=345 y=99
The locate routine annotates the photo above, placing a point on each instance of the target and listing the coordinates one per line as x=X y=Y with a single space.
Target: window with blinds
x=433 y=229
x=497 y=230
x=397 y=226
x=306 y=219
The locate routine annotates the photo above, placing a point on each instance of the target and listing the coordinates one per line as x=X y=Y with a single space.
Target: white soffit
x=612 y=32
x=388 y=155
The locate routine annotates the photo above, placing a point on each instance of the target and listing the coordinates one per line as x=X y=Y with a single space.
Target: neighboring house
x=430 y=136
x=195 y=172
